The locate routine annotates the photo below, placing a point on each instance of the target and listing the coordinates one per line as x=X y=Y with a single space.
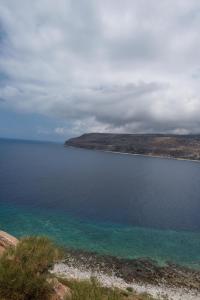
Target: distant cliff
x=163 y=145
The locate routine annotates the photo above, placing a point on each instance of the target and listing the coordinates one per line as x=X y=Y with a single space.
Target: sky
x=122 y=66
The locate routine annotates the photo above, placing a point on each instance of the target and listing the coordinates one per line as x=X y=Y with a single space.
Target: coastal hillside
x=25 y=274
x=163 y=145
x=35 y=268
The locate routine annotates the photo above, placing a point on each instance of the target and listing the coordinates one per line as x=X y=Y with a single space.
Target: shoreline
x=162 y=291
x=142 y=275
x=152 y=156
x=136 y=154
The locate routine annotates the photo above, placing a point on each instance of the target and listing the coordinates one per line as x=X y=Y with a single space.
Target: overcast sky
x=69 y=67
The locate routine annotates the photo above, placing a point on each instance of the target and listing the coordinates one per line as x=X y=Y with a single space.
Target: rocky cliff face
x=6 y=240
x=176 y=146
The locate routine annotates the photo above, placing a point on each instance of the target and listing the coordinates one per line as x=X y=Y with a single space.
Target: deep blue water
x=129 y=206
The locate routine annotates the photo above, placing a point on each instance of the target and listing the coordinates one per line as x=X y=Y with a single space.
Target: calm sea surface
x=129 y=206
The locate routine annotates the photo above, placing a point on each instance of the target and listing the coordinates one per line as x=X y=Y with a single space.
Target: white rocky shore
x=159 y=291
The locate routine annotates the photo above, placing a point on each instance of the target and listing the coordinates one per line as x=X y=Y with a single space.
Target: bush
x=91 y=290
x=24 y=269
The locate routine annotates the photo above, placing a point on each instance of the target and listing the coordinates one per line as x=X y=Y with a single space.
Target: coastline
x=136 y=154
x=152 y=156
x=142 y=275
x=114 y=273
x=161 y=291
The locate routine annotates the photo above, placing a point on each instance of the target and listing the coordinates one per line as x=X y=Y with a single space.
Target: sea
x=112 y=204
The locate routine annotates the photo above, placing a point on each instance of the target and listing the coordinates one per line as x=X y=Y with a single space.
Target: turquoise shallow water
x=104 y=238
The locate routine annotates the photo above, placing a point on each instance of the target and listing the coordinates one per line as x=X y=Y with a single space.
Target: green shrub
x=91 y=290
x=24 y=269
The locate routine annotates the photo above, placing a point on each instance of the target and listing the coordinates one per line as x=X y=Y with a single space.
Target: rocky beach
x=142 y=275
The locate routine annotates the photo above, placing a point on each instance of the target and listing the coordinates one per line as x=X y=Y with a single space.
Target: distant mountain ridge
x=163 y=145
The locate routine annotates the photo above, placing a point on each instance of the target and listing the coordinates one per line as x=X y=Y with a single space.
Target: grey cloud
x=136 y=48
x=130 y=66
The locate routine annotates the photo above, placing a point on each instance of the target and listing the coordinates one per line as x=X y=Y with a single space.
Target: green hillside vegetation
x=91 y=290
x=24 y=275
x=24 y=269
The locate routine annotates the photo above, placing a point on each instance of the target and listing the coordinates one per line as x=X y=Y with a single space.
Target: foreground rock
x=6 y=241
x=60 y=291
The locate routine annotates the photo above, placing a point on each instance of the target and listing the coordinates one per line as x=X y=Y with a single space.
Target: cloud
x=62 y=131
x=130 y=66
